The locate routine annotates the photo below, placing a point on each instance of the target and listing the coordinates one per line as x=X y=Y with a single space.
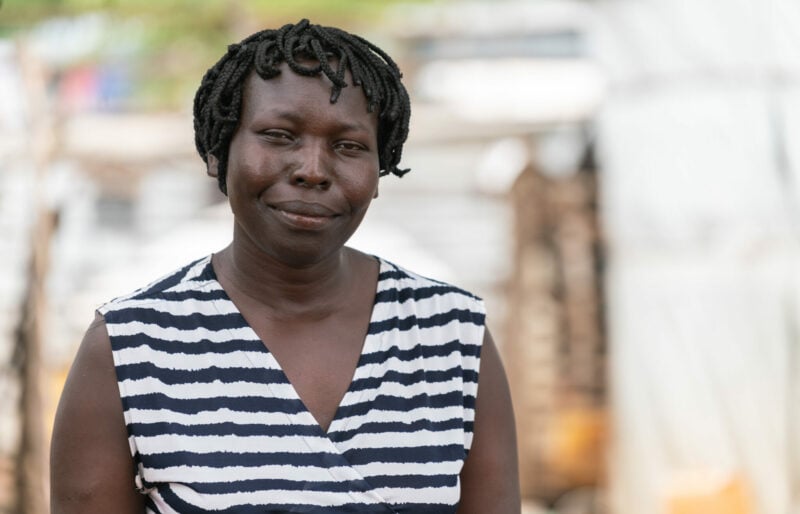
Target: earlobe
x=212 y=166
x=376 y=193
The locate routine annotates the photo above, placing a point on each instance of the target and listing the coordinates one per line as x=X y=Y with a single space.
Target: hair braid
x=218 y=101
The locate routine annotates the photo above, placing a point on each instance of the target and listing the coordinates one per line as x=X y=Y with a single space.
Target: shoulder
x=430 y=312
x=195 y=275
x=396 y=283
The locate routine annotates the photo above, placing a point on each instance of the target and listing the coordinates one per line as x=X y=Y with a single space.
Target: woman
x=288 y=372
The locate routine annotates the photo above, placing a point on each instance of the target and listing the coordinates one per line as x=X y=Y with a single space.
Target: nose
x=313 y=167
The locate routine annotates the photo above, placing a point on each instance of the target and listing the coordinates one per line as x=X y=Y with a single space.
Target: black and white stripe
x=216 y=426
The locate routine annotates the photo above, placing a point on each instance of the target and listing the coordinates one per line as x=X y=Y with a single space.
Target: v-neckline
x=365 y=347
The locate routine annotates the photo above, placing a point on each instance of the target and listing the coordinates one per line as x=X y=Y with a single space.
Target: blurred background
x=617 y=178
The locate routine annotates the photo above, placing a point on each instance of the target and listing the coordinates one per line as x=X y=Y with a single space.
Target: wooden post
x=31 y=465
x=31 y=458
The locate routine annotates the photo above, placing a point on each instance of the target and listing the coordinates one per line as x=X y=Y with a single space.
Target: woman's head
x=308 y=50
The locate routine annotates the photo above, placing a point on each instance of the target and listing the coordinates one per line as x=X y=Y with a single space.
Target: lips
x=304 y=215
x=304 y=209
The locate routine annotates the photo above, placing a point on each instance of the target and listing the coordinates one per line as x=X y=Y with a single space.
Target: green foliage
x=320 y=11
x=175 y=41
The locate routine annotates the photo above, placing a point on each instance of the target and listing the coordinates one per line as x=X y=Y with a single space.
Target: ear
x=377 y=188
x=212 y=166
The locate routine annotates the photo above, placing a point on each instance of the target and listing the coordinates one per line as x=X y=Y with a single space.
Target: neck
x=284 y=290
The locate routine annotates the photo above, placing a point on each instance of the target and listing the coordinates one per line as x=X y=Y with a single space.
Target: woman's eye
x=277 y=135
x=349 y=146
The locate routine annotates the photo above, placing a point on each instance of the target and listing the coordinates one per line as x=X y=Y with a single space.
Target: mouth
x=304 y=215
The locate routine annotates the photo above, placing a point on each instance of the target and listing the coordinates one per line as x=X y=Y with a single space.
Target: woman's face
x=301 y=170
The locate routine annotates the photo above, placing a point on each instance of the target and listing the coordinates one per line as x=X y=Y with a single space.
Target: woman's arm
x=91 y=468
x=490 y=477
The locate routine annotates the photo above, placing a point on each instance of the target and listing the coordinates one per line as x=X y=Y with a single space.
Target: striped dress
x=215 y=426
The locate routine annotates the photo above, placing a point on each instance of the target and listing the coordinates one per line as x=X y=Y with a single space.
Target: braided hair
x=218 y=101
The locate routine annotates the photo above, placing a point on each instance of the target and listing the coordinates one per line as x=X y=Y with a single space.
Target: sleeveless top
x=215 y=425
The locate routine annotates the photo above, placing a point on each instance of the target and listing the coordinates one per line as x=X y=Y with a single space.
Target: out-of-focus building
x=507 y=91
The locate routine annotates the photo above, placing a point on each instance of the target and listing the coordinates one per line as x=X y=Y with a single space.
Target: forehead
x=304 y=96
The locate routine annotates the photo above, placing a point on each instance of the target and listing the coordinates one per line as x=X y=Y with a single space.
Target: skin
x=301 y=175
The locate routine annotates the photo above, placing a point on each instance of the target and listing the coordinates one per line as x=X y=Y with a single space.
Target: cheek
x=363 y=191
x=253 y=170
